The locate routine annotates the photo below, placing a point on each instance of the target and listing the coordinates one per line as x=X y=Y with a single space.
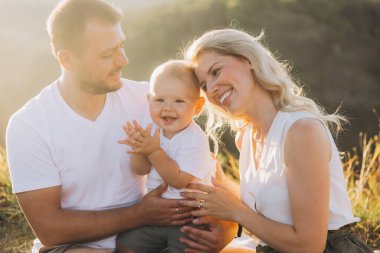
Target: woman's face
x=227 y=80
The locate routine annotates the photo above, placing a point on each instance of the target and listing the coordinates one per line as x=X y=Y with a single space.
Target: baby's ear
x=199 y=105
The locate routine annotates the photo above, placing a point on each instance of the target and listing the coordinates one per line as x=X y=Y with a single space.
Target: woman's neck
x=262 y=118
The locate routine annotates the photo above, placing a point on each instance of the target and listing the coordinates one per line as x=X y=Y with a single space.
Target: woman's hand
x=219 y=234
x=217 y=201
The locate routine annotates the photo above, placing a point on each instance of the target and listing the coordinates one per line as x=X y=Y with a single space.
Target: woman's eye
x=215 y=72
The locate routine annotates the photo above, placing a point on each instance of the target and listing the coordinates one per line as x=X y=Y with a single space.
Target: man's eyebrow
x=113 y=48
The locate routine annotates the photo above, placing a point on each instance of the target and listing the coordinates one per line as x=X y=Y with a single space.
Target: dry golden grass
x=15 y=234
x=362 y=173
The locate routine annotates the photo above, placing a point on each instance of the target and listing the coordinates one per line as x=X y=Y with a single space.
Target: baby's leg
x=148 y=239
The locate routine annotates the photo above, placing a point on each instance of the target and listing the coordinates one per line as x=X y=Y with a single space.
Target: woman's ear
x=64 y=59
x=199 y=105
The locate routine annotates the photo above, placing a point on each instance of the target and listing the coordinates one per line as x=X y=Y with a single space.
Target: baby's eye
x=160 y=100
x=179 y=101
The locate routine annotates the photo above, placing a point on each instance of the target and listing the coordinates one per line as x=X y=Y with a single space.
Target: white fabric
x=190 y=149
x=49 y=145
x=243 y=242
x=265 y=190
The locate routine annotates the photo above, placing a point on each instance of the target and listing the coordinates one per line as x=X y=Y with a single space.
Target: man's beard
x=98 y=88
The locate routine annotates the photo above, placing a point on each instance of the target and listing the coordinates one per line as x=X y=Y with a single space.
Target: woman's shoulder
x=307 y=132
x=307 y=125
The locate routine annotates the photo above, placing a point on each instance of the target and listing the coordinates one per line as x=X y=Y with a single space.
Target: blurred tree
x=332 y=45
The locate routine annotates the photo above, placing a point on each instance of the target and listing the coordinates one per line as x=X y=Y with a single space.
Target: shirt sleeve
x=195 y=157
x=29 y=158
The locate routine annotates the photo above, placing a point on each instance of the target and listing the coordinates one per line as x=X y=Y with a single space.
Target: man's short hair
x=67 y=21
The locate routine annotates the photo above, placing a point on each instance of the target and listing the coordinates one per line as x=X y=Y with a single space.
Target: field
x=361 y=168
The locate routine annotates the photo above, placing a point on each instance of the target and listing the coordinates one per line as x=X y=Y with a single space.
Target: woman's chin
x=234 y=114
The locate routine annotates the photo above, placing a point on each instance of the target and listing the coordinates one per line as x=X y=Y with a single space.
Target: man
x=69 y=174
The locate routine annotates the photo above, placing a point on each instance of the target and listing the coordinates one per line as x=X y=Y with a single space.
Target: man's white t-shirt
x=48 y=144
x=190 y=149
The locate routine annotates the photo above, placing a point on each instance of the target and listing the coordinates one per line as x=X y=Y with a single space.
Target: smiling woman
x=292 y=188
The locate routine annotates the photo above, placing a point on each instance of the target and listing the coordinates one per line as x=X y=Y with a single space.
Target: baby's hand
x=131 y=133
x=140 y=140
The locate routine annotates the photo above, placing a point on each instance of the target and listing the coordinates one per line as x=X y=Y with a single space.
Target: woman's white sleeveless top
x=265 y=189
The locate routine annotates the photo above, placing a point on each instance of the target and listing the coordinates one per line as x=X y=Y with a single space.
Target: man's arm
x=54 y=225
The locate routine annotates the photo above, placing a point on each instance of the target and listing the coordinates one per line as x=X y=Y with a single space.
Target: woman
x=292 y=188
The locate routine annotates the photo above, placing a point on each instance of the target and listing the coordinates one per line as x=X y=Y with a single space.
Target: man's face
x=98 y=68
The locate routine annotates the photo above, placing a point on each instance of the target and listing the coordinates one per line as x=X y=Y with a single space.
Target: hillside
x=334 y=52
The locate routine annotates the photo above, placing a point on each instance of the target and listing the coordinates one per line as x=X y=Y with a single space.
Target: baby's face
x=172 y=104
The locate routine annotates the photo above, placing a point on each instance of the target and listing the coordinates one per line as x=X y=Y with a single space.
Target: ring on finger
x=177 y=210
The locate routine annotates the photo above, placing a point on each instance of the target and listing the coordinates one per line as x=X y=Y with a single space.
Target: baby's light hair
x=178 y=69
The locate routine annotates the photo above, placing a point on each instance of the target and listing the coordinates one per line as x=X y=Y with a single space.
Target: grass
x=362 y=172
x=361 y=168
x=15 y=233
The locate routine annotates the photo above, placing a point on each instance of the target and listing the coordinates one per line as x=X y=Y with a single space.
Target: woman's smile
x=225 y=96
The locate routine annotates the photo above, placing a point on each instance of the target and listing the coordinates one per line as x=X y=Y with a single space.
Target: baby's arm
x=140 y=164
x=149 y=146
x=169 y=170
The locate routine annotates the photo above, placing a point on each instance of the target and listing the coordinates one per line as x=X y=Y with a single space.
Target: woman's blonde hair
x=271 y=74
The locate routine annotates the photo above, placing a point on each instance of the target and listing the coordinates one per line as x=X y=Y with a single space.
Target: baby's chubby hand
x=140 y=139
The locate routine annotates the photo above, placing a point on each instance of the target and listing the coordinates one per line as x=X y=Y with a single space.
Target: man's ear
x=199 y=105
x=65 y=60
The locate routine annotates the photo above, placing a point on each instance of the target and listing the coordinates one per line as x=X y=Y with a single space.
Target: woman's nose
x=211 y=87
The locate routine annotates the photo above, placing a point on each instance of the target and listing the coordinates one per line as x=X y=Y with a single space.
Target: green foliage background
x=333 y=45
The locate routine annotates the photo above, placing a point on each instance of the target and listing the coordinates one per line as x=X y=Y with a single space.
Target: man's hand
x=220 y=233
x=156 y=210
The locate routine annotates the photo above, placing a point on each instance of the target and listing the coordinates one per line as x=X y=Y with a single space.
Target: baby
x=177 y=153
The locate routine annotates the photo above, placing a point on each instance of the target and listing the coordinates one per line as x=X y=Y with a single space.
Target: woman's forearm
x=282 y=237
x=232 y=186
